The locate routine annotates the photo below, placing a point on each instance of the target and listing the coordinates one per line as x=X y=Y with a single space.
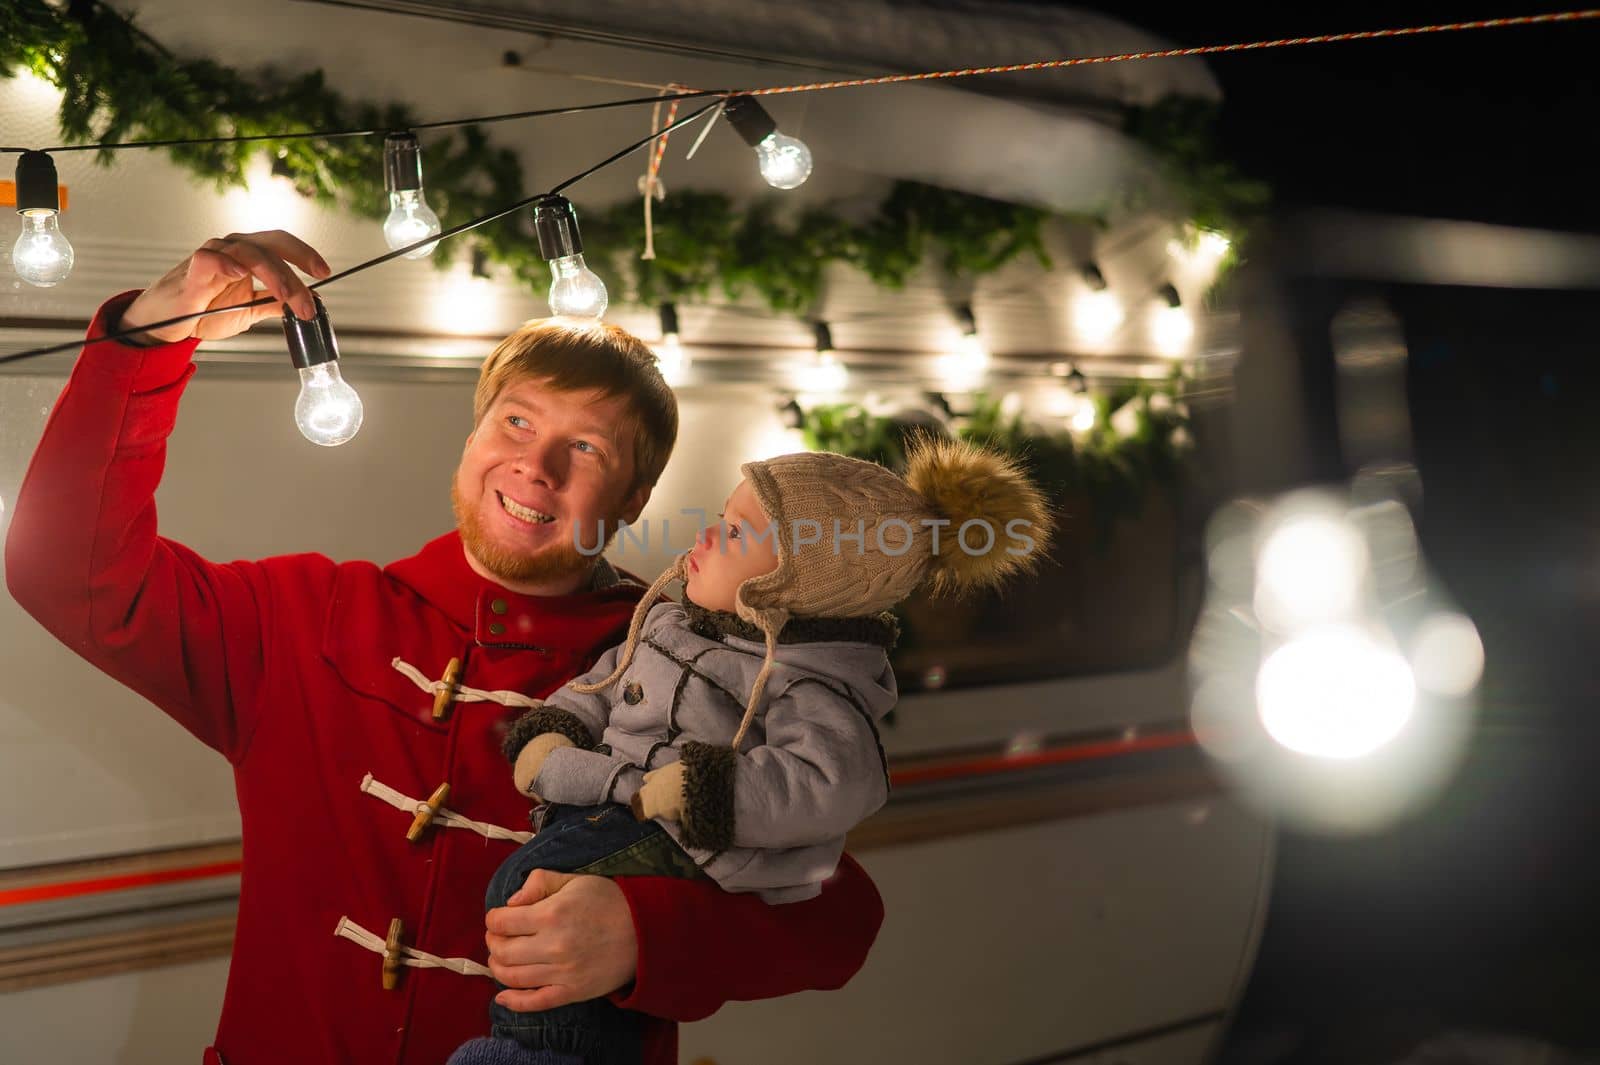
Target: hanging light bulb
x=1214 y=243
x=42 y=256
x=328 y=411
x=785 y=161
x=670 y=356
x=965 y=370
x=826 y=375
x=574 y=288
x=410 y=218
x=1172 y=328
x=1097 y=313
x=1083 y=418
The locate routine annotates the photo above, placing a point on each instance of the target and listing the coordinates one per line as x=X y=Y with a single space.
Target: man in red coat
x=317 y=680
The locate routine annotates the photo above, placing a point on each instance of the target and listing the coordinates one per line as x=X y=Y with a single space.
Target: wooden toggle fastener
x=392 y=965
x=430 y=810
x=447 y=694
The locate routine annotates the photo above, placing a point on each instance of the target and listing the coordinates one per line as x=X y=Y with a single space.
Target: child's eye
x=583 y=445
x=733 y=532
x=516 y=421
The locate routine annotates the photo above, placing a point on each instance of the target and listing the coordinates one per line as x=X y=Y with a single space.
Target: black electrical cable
x=329 y=134
x=451 y=232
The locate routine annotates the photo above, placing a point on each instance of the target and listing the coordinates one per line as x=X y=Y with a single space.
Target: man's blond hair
x=580 y=357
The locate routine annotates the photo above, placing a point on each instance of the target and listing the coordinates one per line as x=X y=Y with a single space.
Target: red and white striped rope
x=1177 y=53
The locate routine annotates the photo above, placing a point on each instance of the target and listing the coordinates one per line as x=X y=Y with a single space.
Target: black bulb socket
x=311 y=341
x=749 y=119
x=36 y=183
x=555 y=223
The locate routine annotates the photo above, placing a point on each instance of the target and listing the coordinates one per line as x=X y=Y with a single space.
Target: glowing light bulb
x=1335 y=692
x=671 y=360
x=410 y=220
x=575 y=289
x=826 y=376
x=1172 y=328
x=1312 y=567
x=1172 y=331
x=1214 y=244
x=42 y=255
x=1096 y=316
x=965 y=370
x=670 y=357
x=328 y=410
x=785 y=161
x=1083 y=418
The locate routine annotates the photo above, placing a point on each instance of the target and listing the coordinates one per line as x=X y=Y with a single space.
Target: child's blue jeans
x=606 y=840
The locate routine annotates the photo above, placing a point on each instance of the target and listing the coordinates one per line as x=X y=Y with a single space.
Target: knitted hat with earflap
x=913 y=529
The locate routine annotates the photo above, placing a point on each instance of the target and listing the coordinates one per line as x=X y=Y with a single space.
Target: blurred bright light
x=1311 y=568
x=964 y=370
x=671 y=359
x=1334 y=692
x=1097 y=315
x=1201 y=250
x=824 y=376
x=465 y=304
x=1172 y=330
x=35 y=90
x=1447 y=655
x=1083 y=418
x=266 y=202
x=1214 y=244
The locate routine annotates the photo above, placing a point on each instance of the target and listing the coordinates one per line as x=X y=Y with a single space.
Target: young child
x=741 y=726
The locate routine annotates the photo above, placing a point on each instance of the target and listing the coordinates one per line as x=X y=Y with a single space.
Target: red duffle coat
x=285 y=667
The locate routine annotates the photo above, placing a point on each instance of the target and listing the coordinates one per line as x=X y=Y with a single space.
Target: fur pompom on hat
x=965 y=483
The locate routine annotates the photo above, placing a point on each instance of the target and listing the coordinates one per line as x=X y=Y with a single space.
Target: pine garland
x=118 y=84
x=1139 y=441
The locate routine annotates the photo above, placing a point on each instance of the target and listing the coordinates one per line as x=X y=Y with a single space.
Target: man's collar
x=497 y=616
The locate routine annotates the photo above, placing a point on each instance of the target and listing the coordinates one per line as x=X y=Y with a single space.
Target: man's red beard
x=558 y=560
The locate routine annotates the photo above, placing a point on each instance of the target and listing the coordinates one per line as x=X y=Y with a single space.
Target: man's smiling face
x=542 y=469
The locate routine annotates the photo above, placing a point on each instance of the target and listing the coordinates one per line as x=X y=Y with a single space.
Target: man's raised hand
x=223 y=272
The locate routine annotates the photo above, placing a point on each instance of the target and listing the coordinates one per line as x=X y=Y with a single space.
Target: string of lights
x=329 y=411
x=401 y=252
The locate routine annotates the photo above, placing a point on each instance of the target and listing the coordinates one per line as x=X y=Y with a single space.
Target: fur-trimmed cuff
x=708 y=796
x=545 y=719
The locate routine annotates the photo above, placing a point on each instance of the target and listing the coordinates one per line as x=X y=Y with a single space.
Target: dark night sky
x=1490 y=125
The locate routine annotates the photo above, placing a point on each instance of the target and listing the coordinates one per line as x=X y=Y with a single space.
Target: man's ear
x=634 y=504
